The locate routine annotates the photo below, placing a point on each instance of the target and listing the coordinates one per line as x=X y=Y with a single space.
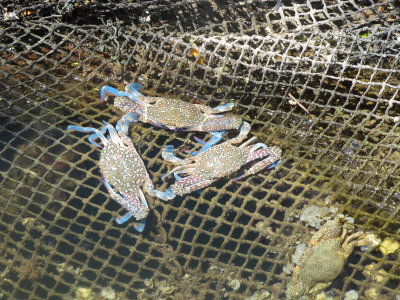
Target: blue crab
x=218 y=161
x=122 y=168
x=174 y=114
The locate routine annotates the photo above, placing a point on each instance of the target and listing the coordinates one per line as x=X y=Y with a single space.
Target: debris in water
x=389 y=246
x=313 y=215
x=108 y=293
x=83 y=293
x=234 y=284
x=295 y=101
x=371 y=241
x=371 y=293
x=31 y=269
x=351 y=295
x=260 y=295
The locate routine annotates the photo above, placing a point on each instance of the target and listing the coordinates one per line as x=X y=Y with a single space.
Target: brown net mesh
x=340 y=59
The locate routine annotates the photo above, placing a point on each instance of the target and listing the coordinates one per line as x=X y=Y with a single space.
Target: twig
x=298 y=103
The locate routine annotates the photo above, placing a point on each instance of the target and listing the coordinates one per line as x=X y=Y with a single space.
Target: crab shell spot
x=175 y=113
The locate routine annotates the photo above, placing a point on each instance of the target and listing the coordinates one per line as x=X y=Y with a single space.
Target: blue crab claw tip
x=78 y=128
x=123 y=219
x=110 y=90
x=140 y=228
x=274 y=164
x=103 y=92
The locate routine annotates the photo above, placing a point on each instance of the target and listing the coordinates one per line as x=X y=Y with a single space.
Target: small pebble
x=351 y=295
x=234 y=284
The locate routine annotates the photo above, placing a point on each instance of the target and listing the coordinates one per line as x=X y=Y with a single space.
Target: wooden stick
x=298 y=103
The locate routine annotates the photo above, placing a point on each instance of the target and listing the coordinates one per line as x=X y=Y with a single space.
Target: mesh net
x=340 y=59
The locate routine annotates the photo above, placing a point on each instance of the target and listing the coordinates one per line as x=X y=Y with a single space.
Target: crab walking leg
x=351 y=241
x=217 y=136
x=127 y=201
x=105 y=90
x=123 y=124
x=168 y=155
x=250 y=141
x=140 y=228
x=181 y=169
x=89 y=129
x=122 y=219
x=95 y=136
x=114 y=135
x=133 y=88
x=244 y=131
x=143 y=199
x=274 y=155
x=257 y=146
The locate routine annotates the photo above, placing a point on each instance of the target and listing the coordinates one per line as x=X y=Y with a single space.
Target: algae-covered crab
x=324 y=259
x=124 y=173
x=219 y=161
x=174 y=114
